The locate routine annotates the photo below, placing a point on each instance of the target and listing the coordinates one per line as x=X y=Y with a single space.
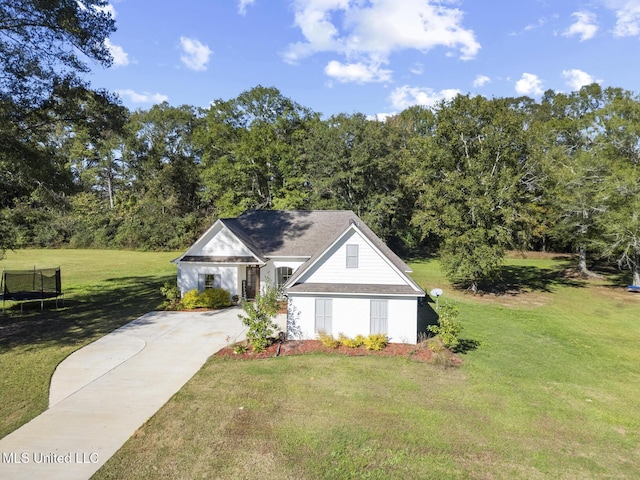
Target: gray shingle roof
x=288 y=233
x=353 y=288
x=299 y=233
x=218 y=259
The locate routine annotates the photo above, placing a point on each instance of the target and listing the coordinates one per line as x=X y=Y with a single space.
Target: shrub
x=171 y=293
x=327 y=340
x=441 y=356
x=259 y=318
x=376 y=342
x=355 y=342
x=448 y=327
x=210 y=298
x=240 y=349
x=190 y=299
x=215 y=298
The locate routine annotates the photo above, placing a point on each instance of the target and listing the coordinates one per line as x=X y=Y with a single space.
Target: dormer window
x=352 y=256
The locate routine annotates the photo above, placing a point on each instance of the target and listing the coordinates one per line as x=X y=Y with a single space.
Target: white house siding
x=351 y=316
x=372 y=267
x=188 y=276
x=223 y=244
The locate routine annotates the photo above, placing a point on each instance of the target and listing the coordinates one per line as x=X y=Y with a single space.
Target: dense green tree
x=353 y=164
x=94 y=144
x=42 y=46
x=472 y=182
x=161 y=205
x=43 y=43
x=618 y=145
x=160 y=153
x=577 y=173
x=70 y=136
x=251 y=152
x=417 y=126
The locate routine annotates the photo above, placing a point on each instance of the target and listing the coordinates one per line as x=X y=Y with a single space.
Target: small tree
x=259 y=317
x=449 y=326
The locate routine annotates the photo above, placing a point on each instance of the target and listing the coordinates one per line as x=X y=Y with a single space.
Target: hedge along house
x=337 y=275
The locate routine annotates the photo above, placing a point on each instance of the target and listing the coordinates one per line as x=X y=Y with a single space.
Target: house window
x=209 y=280
x=324 y=308
x=379 y=316
x=282 y=275
x=352 y=256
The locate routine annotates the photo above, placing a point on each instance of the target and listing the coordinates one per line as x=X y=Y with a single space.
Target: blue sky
x=375 y=57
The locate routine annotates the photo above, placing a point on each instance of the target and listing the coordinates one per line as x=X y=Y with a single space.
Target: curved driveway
x=101 y=394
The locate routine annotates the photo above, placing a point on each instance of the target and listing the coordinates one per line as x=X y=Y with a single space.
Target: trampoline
x=36 y=284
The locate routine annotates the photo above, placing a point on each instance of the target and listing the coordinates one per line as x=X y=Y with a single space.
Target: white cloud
x=145 y=97
x=120 y=57
x=576 y=79
x=533 y=26
x=406 y=96
x=196 y=54
x=368 y=32
x=585 y=26
x=381 y=117
x=628 y=17
x=417 y=69
x=529 y=84
x=242 y=6
x=481 y=81
x=356 y=72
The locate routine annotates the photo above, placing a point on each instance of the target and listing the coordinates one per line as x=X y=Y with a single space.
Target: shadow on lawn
x=516 y=279
x=466 y=345
x=82 y=316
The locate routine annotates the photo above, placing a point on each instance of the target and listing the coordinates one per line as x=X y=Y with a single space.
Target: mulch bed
x=300 y=347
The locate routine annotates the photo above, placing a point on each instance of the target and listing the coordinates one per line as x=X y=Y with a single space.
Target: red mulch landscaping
x=299 y=347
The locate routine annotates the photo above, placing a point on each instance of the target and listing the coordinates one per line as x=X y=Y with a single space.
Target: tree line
x=468 y=178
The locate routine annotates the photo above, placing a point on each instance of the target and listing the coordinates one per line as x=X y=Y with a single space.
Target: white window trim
x=353 y=254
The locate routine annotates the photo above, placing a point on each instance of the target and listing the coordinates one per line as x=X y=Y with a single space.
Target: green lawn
x=549 y=386
x=551 y=391
x=103 y=289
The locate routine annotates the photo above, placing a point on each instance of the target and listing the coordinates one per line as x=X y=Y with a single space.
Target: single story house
x=336 y=274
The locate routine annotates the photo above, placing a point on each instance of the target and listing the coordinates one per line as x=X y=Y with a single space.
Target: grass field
x=103 y=289
x=551 y=391
x=549 y=386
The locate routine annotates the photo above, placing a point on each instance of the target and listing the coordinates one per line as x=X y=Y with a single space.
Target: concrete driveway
x=101 y=394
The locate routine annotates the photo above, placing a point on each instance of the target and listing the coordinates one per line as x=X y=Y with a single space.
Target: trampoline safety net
x=36 y=284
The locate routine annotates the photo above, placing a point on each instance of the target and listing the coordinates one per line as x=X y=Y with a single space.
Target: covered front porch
x=238 y=278
x=241 y=276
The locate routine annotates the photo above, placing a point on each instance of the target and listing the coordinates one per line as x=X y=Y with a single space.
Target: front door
x=253 y=281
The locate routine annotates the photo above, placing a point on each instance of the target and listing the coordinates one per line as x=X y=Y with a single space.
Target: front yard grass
x=552 y=391
x=551 y=388
x=103 y=289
